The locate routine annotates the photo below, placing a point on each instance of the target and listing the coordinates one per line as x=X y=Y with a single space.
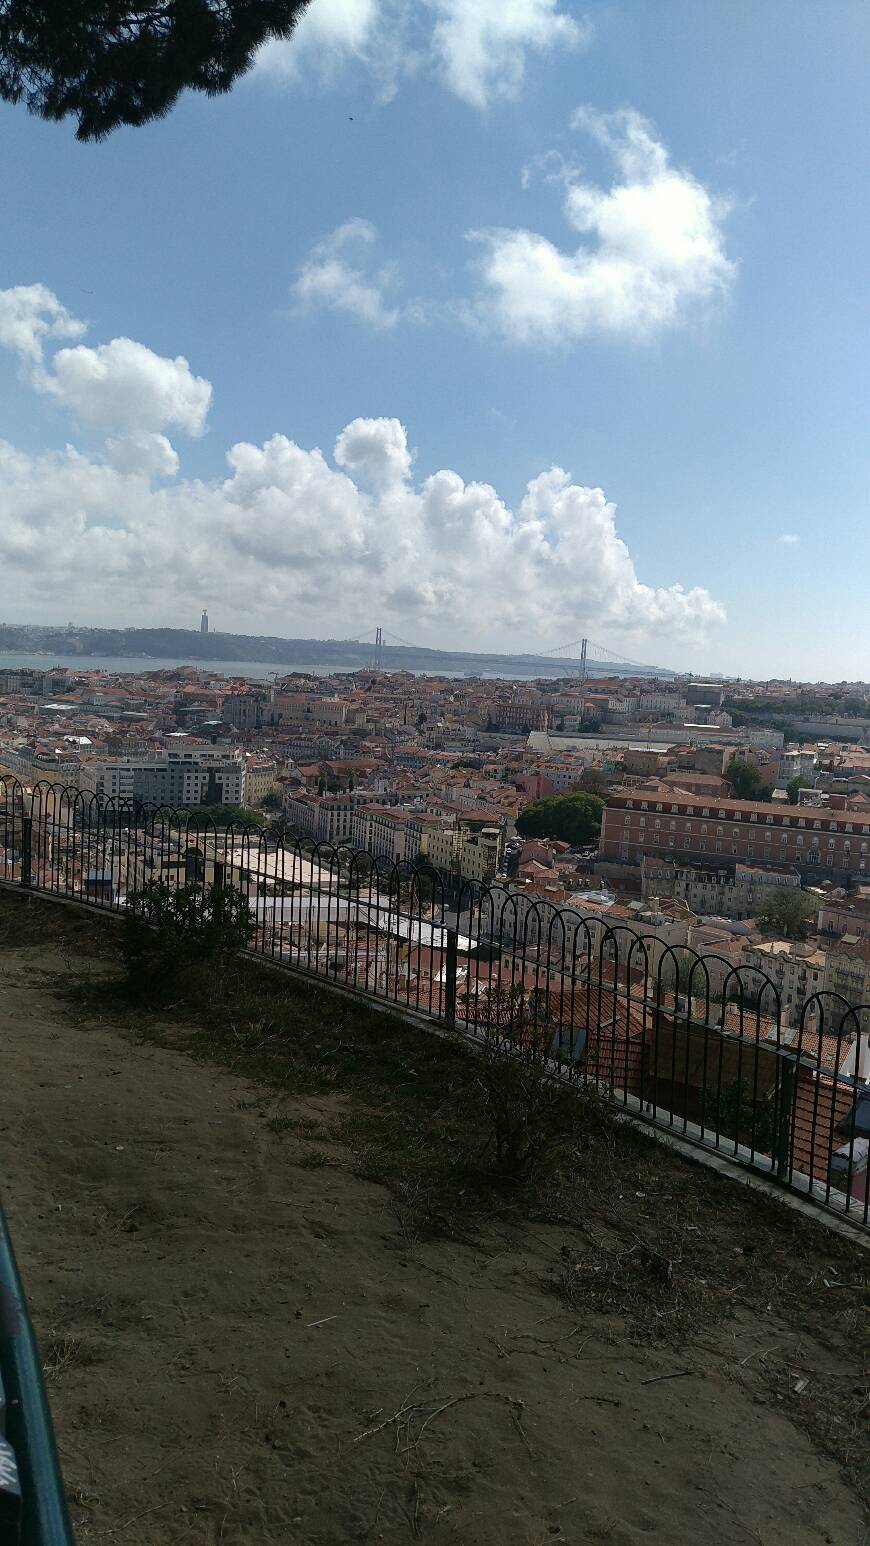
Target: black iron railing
x=694 y=1044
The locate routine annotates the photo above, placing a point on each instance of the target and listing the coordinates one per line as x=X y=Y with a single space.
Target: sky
x=498 y=323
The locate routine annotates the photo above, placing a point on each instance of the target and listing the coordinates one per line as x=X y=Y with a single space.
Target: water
x=115 y=665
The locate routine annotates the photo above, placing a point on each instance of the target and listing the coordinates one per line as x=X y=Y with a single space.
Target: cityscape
x=702 y=799
x=434 y=773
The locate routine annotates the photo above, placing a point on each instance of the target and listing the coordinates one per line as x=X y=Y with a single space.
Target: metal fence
x=689 y=1043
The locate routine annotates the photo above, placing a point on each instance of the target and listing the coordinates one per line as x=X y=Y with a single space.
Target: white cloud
x=789 y=539
x=330 y=30
x=30 y=315
x=652 y=250
x=481 y=45
x=288 y=537
x=478 y=48
x=124 y=386
x=118 y=388
x=337 y=277
x=332 y=33
x=288 y=533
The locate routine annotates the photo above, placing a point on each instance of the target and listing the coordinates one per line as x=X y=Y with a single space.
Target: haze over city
x=495 y=328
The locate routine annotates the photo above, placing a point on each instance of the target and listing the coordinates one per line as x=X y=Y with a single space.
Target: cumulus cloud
x=481 y=45
x=291 y=540
x=652 y=250
x=124 y=386
x=790 y=539
x=477 y=48
x=338 y=276
x=332 y=33
x=120 y=388
x=30 y=316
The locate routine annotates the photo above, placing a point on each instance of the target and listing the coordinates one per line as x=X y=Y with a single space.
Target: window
x=769 y=820
x=831 y=842
x=718 y=848
x=704 y=831
x=830 y=858
x=799 y=840
x=673 y=826
x=627 y=820
x=658 y=823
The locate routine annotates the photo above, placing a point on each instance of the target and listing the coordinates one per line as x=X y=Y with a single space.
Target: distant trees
x=745 y=779
x=793 y=787
x=571 y=818
x=787 y=912
x=592 y=781
x=111 y=62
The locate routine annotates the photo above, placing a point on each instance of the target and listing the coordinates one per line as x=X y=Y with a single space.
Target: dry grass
x=660 y=1249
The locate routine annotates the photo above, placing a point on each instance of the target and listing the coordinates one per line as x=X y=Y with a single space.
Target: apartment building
x=796 y=971
x=260 y=776
x=737 y=891
x=177 y=777
x=327 y=818
x=521 y=714
x=658 y=820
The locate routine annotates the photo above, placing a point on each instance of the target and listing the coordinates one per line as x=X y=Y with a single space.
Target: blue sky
x=456 y=246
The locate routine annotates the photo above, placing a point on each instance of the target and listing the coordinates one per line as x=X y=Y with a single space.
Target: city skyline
x=593 y=370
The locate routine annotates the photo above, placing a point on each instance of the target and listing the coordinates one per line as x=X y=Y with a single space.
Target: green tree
x=787 y=912
x=111 y=62
x=572 y=818
x=793 y=786
x=744 y=778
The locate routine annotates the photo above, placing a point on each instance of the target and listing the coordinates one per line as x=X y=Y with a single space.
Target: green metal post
x=45 y=1518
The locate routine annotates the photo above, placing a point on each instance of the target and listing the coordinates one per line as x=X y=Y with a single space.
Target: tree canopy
x=787 y=912
x=793 y=786
x=572 y=818
x=111 y=62
x=744 y=778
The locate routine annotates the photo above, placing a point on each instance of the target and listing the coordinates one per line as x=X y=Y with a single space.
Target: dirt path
x=241 y=1348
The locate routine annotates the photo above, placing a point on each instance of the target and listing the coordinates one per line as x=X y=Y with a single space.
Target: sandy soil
x=242 y=1348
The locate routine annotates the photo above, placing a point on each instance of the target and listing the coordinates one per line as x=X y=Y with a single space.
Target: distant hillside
x=294 y=654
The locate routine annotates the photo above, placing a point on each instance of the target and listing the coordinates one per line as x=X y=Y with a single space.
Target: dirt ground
x=242 y=1346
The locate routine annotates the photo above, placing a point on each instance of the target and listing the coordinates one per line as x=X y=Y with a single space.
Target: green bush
x=572 y=818
x=170 y=931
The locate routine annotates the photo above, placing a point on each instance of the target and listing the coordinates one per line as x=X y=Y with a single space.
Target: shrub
x=167 y=932
x=530 y=1111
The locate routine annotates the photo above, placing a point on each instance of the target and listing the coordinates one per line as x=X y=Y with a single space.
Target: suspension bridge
x=583 y=654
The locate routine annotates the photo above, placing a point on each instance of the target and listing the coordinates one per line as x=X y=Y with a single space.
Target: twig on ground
x=655 y=1378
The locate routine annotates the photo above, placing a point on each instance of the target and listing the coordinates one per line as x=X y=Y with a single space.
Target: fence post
x=217 y=886
x=450 y=969
x=26 y=849
x=782 y=1153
